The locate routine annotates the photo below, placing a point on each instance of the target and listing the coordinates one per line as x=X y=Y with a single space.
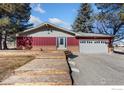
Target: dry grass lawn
x=9 y=63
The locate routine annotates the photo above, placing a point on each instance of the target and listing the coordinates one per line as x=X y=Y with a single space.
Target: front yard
x=9 y=63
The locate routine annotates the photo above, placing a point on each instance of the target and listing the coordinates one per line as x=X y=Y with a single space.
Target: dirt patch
x=9 y=63
x=18 y=53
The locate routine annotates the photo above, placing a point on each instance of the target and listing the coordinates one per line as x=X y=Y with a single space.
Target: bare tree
x=110 y=20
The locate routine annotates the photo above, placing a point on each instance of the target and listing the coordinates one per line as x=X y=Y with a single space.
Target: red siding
x=43 y=41
x=72 y=41
x=36 y=41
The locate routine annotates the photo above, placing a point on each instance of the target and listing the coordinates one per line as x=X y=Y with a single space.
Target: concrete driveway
x=97 y=69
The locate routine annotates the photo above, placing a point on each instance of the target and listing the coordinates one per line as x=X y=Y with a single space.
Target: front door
x=61 y=42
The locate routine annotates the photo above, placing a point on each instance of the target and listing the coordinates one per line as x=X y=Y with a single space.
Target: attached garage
x=93 y=46
x=93 y=43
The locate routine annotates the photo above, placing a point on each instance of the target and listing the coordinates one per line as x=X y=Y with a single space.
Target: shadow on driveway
x=118 y=52
x=71 y=55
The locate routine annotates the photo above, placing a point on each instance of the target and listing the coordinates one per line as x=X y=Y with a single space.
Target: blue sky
x=62 y=14
x=59 y=14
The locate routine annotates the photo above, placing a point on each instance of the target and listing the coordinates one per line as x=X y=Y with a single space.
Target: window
x=61 y=41
x=96 y=41
x=82 y=41
x=89 y=42
x=103 y=42
x=106 y=42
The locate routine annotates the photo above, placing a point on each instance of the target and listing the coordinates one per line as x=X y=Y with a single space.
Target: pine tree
x=83 y=20
x=19 y=18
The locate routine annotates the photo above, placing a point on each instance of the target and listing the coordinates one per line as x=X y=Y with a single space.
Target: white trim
x=65 y=42
x=82 y=34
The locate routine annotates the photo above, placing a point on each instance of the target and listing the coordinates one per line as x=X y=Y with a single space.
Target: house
x=51 y=37
x=118 y=43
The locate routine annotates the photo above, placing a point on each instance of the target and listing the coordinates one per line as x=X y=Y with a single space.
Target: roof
x=48 y=24
x=77 y=34
x=82 y=34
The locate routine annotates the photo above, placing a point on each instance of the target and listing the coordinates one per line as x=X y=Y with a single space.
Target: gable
x=52 y=33
x=47 y=29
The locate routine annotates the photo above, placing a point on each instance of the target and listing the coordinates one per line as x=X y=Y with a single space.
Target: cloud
x=35 y=20
x=56 y=21
x=69 y=27
x=39 y=9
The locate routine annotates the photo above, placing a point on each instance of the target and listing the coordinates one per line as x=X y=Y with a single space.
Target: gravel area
x=97 y=69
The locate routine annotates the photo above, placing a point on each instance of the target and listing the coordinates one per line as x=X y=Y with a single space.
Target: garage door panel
x=93 y=46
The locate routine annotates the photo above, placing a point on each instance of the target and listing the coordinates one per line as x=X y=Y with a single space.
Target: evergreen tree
x=18 y=20
x=83 y=21
x=5 y=9
x=21 y=16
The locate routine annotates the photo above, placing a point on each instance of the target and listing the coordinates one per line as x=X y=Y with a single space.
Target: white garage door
x=93 y=46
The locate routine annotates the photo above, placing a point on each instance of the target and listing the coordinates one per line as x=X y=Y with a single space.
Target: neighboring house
x=51 y=37
x=118 y=44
